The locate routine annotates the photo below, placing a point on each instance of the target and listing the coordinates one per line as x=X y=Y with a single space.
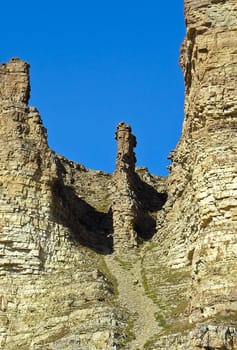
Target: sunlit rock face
x=199 y=233
x=53 y=289
x=125 y=205
x=209 y=62
x=59 y=219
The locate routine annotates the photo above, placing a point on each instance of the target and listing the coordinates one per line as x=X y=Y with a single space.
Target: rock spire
x=124 y=205
x=55 y=293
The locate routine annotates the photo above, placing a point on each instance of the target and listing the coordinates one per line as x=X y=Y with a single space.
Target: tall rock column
x=124 y=206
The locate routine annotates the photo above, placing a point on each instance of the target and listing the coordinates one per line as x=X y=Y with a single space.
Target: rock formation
x=198 y=235
x=56 y=291
x=125 y=206
x=69 y=235
x=52 y=287
x=135 y=199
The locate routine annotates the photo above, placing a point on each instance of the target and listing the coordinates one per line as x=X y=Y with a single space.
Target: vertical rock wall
x=196 y=276
x=209 y=61
x=25 y=174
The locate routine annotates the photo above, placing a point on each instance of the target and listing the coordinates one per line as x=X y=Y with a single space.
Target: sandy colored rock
x=197 y=243
x=125 y=202
x=170 y=242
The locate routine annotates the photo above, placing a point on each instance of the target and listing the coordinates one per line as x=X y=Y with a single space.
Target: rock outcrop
x=69 y=235
x=54 y=292
x=198 y=240
x=125 y=203
x=56 y=223
x=137 y=195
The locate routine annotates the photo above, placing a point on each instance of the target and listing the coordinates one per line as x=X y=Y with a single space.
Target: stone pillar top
x=126 y=159
x=14 y=81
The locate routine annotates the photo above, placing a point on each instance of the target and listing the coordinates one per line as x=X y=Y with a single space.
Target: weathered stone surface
x=198 y=237
x=15 y=85
x=125 y=202
x=176 y=237
x=53 y=293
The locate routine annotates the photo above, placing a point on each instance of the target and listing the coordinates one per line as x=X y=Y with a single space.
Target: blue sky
x=96 y=63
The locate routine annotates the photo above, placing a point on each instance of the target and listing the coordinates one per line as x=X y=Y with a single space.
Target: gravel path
x=132 y=296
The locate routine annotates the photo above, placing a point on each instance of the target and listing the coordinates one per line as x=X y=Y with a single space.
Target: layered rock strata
x=125 y=203
x=58 y=218
x=137 y=195
x=54 y=293
x=198 y=239
x=207 y=155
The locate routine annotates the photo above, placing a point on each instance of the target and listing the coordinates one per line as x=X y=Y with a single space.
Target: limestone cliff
x=57 y=220
x=90 y=260
x=198 y=237
x=41 y=263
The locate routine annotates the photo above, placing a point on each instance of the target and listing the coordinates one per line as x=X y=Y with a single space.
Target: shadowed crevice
x=150 y=202
x=87 y=226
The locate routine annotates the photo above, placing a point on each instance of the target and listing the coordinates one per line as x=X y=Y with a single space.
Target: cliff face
x=81 y=251
x=210 y=59
x=198 y=236
x=42 y=222
x=57 y=220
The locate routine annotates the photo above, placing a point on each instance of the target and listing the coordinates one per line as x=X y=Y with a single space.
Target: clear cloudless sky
x=95 y=63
